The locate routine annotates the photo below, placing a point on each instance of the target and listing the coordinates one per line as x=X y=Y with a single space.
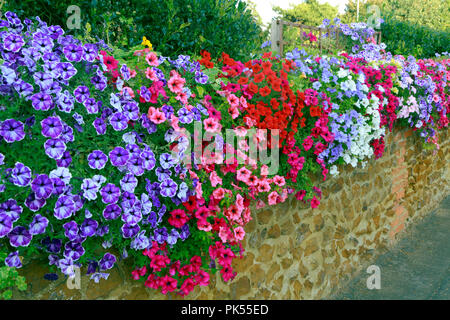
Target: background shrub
x=173 y=26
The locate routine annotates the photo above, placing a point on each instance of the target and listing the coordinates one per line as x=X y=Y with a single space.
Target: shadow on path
x=417 y=267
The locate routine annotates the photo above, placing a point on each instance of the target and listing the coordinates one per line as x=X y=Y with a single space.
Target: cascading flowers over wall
x=123 y=155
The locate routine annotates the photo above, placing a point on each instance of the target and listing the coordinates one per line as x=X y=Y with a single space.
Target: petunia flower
x=97 y=159
x=20 y=237
x=12 y=130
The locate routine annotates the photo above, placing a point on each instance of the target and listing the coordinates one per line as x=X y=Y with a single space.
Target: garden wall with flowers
x=114 y=163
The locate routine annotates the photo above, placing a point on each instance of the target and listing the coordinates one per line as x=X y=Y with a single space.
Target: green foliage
x=173 y=26
x=9 y=278
x=411 y=39
x=310 y=12
x=419 y=28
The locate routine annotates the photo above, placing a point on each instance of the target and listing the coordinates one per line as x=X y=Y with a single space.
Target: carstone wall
x=294 y=252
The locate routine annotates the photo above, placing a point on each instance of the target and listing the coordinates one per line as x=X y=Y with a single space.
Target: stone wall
x=294 y=252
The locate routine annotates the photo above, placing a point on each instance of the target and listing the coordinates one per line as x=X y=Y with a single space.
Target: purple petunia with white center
x=52 y=127
x=12 y=130
x=97 y=159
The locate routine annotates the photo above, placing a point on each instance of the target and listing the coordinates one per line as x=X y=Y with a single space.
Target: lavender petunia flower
x=89 y=52
x=55 y=148
x=21 y=175
x=81 y=93
x=52 y=127
x=11 y=209
x=90 y=189
x=41 y=101
x=119 y=156
x=100 y=126
x=42 y=186
x=99 y=179
x=67 y=70
x=107 y=262
x=128 y=183
x=20 y=237
x=13 y=42
x=12 y=130
x=6 y=224
x=64 y=207
x=73 y=250
x=135 y=165
x=118 y=121
x=112 y=211
x=38 y=225
x=168 y=188
x=88 y=228
x=73 y=52
x=129 y=231
x=140 y=242
x=148 y=159
x=110 y=193
x=71 y=230
x=91 y=105
x=13 y=260
x=97 y=159
x=161 y=235
x=33 y=203
x=99 y=275
x=65 y=160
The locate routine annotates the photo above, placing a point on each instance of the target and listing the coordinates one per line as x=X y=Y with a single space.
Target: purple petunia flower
x=41 y=101
x=65 y=160
x=119 y=156
x=38 y=225
x=20 y=237
x=12 y=130
x=118 y=121
x=67 y=134
x=131 y=110
x=112 y=211
x=6 y=224
x=88 y=228
x=89 y=52
x=11 y=208
x=42 y=186
x=81 y=93
x=110 y=193
x=21 y=175
x=73 y=52
x=90 y=189
x=13 y=42
x=129 y=231
x=107 y=262
x=67 y=70
x=161 y=235
x=100 y=126
x=58 y=186
x=99 y=179
x=148 y=159
x=64 y=207
x=97 y=159
x=91 y=105
x=13 y=260
x=2 y=159
x=168 y=188
x=71 y=230
x=128 y=183
x=55 y=148
x=73 y=250
x=24 y=89
x=52 y=127
x=99 y=275
x=43 y=80
x=53 y=246
x=132 y=217
x=135 y=165
x=140 y=242
x=33 y=203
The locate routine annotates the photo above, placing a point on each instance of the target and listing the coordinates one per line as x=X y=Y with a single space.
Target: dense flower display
x=106 y=156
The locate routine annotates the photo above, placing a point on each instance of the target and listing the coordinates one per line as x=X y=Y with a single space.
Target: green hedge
x=410 y=39
x=173 y=26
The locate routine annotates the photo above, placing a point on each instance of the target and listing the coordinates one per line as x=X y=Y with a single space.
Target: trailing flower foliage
x=105 y=156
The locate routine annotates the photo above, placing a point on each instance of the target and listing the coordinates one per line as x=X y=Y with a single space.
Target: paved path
x=418 y=267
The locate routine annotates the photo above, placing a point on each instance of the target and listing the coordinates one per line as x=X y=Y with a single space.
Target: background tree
x=310 y=12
